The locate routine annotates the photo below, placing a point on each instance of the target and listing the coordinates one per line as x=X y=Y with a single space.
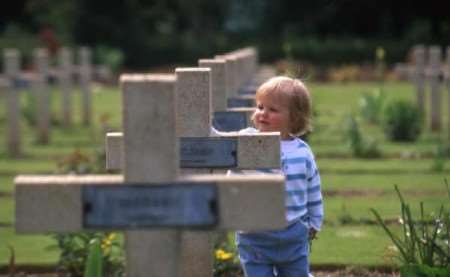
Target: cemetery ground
x=350 y=242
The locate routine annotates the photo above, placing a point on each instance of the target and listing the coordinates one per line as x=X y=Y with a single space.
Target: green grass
x=351 y=245
x=384 y=182
x=357 y=207
x=28 y=249
x=351 y=186
x=7 y=210
x=6 y=184
x=382 y=166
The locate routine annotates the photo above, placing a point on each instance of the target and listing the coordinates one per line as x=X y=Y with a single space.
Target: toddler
x=284 y=105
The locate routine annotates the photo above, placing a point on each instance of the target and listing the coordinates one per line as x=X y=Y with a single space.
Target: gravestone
x=223 y=118
x=85 y=75
x=435 y=73
x=65 y=57
x=41 y=93
x=11 y=68
x=150 y=159
x=419 y=75
x=447 y=85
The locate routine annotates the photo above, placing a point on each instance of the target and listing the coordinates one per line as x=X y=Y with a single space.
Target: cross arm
x=53 y=203
x=253 y=151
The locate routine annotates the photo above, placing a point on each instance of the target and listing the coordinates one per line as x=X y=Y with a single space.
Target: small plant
x=371 y=106
x=94 y=263
x=361 y=146
x=12 y=261
x=424 y=246
x=439 y=157
x=76 y=162
x=226 y=262
x=345 y=217
x=403 y=121
x=79 y=254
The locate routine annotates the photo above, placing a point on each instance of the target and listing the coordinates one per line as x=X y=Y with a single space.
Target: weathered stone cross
x=150 y=201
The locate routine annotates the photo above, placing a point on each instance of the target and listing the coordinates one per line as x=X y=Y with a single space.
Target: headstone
x=419 y=75
x=42 y=95
x=85 y=75
x=11 y=68
x=65 y=57
x=435 y=73
x=230 y=65
x=193 y=88
x=447 y=84
x=218 y=78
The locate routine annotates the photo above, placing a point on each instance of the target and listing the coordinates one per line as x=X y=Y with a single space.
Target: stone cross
x=435 y=73
x=42 y=94
x=85 y=72
x=150 y=144
x=224 y=118
x=65 y=57
x=447 y=85
x=11 y=68
x=419 y=75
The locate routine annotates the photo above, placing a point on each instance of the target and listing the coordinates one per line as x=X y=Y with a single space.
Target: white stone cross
x=150 y=146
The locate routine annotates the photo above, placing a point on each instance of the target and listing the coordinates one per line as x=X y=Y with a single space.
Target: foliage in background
x=439 y=157
x=371 y=106
x=425 y=241
x=362 y=146
x=403 y=121
x=76 y=247
x=111 y=57
x=153 y=33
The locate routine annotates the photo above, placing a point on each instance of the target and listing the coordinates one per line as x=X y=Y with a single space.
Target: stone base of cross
x=149 y=199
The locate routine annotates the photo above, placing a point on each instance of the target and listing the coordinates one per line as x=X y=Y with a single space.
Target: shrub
x=403 y=121
x=361 y=146
x=371 y=106
x=77 y=247
x=423 y=248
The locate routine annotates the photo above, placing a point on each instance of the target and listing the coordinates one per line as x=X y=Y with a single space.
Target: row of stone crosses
x=429 y=65
x=37 y=81
x=167 y=206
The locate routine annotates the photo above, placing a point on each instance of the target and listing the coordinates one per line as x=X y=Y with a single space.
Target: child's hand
x=312 y=233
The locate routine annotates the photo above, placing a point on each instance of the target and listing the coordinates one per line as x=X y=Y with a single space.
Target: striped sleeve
x=314 y=195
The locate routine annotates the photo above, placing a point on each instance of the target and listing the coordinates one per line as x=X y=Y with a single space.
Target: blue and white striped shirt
x=303 y=192
x=303 y=189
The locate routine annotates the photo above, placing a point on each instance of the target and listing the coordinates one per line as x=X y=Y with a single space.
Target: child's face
x=272 y=115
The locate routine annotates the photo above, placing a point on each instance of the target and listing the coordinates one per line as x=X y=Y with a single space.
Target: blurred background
x=142 y=34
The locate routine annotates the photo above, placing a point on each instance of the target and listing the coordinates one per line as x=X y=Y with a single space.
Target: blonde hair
x=297 y=97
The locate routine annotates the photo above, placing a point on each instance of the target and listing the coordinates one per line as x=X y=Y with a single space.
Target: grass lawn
x=28 y=249
x=384 y=182
x=351 y=245
x=351 y=185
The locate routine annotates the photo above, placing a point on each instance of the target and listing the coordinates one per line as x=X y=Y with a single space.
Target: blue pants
x=282 y=253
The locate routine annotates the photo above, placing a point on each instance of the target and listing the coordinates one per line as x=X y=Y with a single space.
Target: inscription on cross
x=151 y=166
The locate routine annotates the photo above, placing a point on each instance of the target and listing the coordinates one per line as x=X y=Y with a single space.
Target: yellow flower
x=223 y=255
x=380 y=53
x=112 y=236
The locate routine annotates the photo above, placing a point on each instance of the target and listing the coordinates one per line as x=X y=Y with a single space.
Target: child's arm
x=314 y=203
